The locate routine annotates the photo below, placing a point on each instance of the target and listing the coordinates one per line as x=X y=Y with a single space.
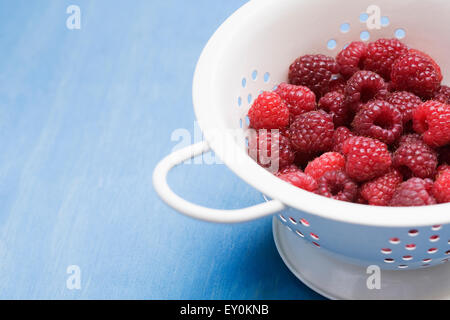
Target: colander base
x=337 y=279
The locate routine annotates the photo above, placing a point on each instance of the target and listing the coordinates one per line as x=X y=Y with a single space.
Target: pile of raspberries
x=371 y=126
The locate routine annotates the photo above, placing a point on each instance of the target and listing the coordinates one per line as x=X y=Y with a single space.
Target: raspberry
x=415 y=158
x=406 y=103
x=416 y=73
x=382 y=54
x=337 y=185
x=414 y=192
x=379 y=192
x=366 y=158
x=335 y=104
x=380 y=120
x=268 y=112
x=330 y=161
x=312 y=132
x=351 y=58
x=432 y=119
x=441 y=187
x=271 y=150
x=364 y=86
x=442 y=95
x=337 y=84
x=298 y=99
x=300 y=180
x=408 y=138
x=340 y=135
x=313 y=71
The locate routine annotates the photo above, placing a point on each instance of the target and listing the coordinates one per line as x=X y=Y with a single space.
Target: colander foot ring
x=336 y=279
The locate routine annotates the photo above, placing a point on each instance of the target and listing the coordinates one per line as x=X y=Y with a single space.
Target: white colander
x=251 y=52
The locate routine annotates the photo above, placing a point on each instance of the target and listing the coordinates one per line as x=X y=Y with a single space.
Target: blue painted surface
x=85 y=115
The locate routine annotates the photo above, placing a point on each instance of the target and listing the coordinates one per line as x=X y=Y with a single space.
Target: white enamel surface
x=337 y=279
x=196 y=211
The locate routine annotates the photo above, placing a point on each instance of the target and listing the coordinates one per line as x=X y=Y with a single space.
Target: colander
x=328 y=244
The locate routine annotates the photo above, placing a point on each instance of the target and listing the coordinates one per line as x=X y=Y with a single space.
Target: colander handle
x=196 y=211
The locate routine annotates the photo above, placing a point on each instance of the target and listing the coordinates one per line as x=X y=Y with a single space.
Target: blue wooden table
x=85 y=115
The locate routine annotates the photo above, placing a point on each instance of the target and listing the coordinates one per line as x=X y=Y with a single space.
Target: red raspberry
x=415 y=158
x=412 y=193
x=337 y=185
x=313 y=71
x=300 y=180
x=406 y=103
x=442 y=95
x=366 y=158
x=312 y=132
x=416 y=73
x=330 y=161
x=380 y=120
x=432 y=119
x=340 y=135
x=409 y=138
x=268 y=112
x=364 y=86
x=335 y=104
x=298 y=99
x=379 y=192
x=382 y=54
x=351 y=58
x=271 y=150
x=441 y=187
